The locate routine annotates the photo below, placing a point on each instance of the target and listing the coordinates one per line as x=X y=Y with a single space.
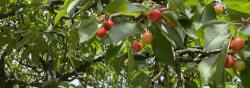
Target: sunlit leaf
x=87 y=28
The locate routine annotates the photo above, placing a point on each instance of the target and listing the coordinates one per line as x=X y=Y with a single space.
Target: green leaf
x=236 y=15
x=74 y=38
x=28 y=38
x=59 y=15
x=215 y=35
x=207 y=1
x=162 y=48
x=184 y=27
x=50 y=84
x=125 y=8
x=117 y=63
x=140 y=79
x=213 y=67
x=117 y=6
x=131 y=63
x=35 y=55
x=113 y=51
x=134 y=10
x=121 y=31
x=58 y=63
x=72 y=7
x=242 y=6
x=66 y=84
x=191 y=2
x=99 y=5
x=26 y=53
x=246 y=30
x=87 y=29
x=208 y=14
x=244 y=75
x=174 y=35
x=177 y=5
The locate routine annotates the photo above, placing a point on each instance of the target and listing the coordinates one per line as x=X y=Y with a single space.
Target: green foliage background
x=50 y=43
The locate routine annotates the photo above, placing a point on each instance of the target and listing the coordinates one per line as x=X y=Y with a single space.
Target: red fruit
x=154 y=15
x=218 y=8
x=147 y=37
x=237 y=44
x=170 y=23
x=137 y=46
x=229 y=61
x=101 y=32
x=108 y=24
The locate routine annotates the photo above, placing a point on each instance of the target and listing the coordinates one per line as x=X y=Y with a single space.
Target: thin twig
x=159 y=74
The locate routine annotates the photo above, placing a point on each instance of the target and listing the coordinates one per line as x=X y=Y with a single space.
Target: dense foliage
x=125 y=43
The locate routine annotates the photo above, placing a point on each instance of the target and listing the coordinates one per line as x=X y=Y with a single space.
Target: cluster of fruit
x=147 y=37
x=103 y=31
x=236 y=45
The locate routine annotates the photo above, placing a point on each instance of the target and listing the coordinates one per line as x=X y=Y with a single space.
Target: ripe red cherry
x=218 y=8
x=147 y=37
x=170 y=23
x=154 y=15
x=101 y=32
x=237 y=44
x=137 y=46
x=229 y=61
x=108 y=24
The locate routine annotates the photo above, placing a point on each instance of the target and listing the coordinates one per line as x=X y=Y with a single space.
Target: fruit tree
x=125 y=43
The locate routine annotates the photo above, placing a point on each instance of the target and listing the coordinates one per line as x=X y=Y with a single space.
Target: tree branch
x=195 y=50
x=159 y=74
x=6 y=15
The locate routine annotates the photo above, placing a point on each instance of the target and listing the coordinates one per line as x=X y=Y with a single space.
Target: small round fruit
x=108 y=24
x=101 y=32
x=147 y=37
x=229 y=61
x=137 y=46
x=218 y=8
x=170 y=23
x=237 y=44
x=154 y=15
x=239 y=65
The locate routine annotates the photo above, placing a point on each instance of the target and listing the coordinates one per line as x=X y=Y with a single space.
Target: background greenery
x=49 y=43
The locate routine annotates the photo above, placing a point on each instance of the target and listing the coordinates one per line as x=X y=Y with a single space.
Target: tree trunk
x=2 y=72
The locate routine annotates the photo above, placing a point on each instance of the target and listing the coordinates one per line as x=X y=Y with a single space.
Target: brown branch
x=6 y=15
x=195 y=50
x=199 y=53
